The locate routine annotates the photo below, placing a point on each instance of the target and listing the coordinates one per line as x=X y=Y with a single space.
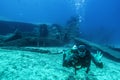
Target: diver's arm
x=96 y=58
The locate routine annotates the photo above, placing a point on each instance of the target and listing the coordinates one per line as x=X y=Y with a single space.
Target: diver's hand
x=98 y=56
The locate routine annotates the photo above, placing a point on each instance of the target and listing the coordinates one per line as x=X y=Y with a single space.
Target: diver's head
x=82 y=50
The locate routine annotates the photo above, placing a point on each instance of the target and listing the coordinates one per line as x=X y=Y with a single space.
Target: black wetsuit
x=75 y=60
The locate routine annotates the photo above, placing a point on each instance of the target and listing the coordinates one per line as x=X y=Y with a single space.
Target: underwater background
x=100 y=19
x=35 y=35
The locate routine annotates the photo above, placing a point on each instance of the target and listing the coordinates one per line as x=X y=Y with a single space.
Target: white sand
x=23 y=65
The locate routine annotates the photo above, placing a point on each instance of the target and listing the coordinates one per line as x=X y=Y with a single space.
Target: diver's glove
x=97 y=59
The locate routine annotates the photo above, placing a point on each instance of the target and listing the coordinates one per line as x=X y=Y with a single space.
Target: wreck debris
x=72 y=29
x=107 y=52
x=14 y=36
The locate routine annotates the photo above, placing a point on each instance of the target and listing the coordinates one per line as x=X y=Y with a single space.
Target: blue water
x=100 y=19
x=36 y=11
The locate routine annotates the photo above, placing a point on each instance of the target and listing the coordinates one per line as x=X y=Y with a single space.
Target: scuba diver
x=80 y=56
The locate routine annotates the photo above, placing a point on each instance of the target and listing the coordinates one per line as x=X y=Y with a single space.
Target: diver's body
x=80 y=56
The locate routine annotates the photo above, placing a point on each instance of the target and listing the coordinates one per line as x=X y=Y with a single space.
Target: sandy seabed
x=25 y=65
